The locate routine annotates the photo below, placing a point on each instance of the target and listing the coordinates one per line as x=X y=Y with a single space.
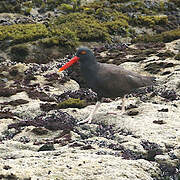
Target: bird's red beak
x=70 y=63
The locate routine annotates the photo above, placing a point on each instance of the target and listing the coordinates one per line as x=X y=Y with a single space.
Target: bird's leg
x=89 y=118
x=123 y=109
x=123 y=104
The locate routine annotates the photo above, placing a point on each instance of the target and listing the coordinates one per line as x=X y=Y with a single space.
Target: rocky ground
x=40 y=107
x=41 y=141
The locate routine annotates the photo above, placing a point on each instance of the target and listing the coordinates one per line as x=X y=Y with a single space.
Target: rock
x=142 y=144
x=133 y=112
x=57 y=120
x=46 y=147
x=76 y=165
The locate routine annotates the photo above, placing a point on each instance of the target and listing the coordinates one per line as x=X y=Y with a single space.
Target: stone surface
x=143 y=143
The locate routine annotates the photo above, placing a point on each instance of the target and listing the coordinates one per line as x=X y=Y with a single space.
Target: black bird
x=107 y=80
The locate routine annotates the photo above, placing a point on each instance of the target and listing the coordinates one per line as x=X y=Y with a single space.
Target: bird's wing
x=111 y=81
x=117 y=81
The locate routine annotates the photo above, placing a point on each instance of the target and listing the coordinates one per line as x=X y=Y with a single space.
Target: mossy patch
x=115 y=22
x=85 y=26
x=72 y=103
x=23 y=32
x=66 y=7
x=150 y=21
x=165 y=37
x=132 y=6
x=97 y=21
x=61 y=36
x=65 y=31
x=20 y=6
x=117 y=27
x=7 y=6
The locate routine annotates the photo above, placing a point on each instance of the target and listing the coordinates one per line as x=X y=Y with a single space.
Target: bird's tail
x=149 y=81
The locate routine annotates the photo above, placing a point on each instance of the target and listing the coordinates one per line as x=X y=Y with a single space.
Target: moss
x=142 y=7
x=150 y=21
x=117 y=27
x=133 y=6
x=28 y=4
x=165 y=37
x=50 y=42
x=60 y=4
x=23 y=32
x=115 y=22
x=108 y=14
x=6 y=6
x=96 y=21
x=66 y=7
x=27 y=11
x=94 y=5
x=19 y=52
x=62 y=38
x=119 y=1
x=65 y=36
x=39 y=131
x=72 y=103
x=85 y=26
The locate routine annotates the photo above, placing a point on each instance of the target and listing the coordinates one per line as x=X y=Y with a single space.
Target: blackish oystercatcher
x=107 y=80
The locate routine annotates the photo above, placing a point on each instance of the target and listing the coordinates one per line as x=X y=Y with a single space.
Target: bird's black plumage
x=109 y=80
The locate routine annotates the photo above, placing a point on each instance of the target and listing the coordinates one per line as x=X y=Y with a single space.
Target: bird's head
x=83 y=54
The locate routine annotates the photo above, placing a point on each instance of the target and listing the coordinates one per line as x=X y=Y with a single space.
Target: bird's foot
x=87 y=120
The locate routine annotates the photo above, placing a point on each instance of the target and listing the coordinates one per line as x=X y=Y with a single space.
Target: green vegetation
x=20 y=6
x=85 y=26
x=60 y=37
x=117 y=27
x=96 y=21
x=165 y=37
x=30 y=32
x=23 y=32
x=5 y=6
x=72 y=103
x=150 y=20
x=115 y=22
x=66 y=5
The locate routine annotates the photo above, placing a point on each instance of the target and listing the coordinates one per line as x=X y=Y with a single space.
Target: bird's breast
x=89 y=73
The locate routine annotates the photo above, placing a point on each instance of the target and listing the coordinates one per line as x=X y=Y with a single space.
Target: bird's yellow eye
x=83 y=52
